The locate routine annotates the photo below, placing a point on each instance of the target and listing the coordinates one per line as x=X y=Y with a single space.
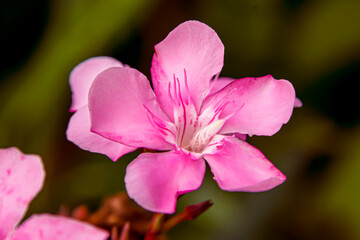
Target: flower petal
x=298 y=103
x=238 y=166
x=193 y=53
x=83 y=75
x=21 y=178
x=240 y=136
x=120 y=100
x=46 y=226
x=220 y=83
x=78 y=132
x=256 y=106
x=223 y=82
x=155 y=180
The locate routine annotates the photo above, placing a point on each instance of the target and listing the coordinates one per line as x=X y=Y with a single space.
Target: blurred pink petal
x=21 y=178
x=120 y=103
x=50 y=227
x=298 y=103
x=192 y=53
x=78 y=132
x=155 y=180
x=238 y=166
x=83 y=75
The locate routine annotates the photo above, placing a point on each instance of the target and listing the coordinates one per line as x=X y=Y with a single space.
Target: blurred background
x=314 y=44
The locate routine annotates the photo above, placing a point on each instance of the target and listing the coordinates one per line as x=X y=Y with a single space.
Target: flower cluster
x=190 y=116
x=21 y=179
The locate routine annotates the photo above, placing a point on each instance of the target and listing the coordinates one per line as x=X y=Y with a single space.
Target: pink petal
x=118 y=103
x=256 y=106
x=21 y=178
x=298 y=103
x=46 y=226
x=217 y=85
x=194 y=48
x=240 y=136
x=155 y=180
x=78 y=132
x=83 y=75
x=238 y=166
x=224 y=81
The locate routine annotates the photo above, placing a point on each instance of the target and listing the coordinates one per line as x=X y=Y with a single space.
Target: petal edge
x=238 y=166
x=21 y=179
x=193 y=53
x=47 y=226
x=82 y=76
x=119 y=101
x=79 y=133
x=155 y=180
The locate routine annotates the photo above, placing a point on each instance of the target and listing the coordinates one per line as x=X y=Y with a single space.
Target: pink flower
x=190 y=117
x=21 y=178
x=78 y=130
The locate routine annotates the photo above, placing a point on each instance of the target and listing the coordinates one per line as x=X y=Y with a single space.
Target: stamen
x=176 y=95
x=158 y=123
x=189 y=98
x=195 y=135
x=184 y=112
x=220 y=104
x=186 y=83
x=169 y=93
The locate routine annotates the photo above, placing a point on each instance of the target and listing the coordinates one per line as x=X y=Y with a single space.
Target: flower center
x=202 y=137
x=192 y=132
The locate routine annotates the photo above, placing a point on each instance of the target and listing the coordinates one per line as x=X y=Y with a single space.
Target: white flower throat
x=190 y=131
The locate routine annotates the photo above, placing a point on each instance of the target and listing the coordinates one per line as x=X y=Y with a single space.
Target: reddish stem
x=190 y=213
x=156 y=226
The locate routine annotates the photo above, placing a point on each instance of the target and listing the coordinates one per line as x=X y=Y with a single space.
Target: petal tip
x=298 y=103
x=266 y=184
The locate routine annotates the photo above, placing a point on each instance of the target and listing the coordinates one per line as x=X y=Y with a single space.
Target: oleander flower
x=78 y=130
x=21 y=179
x=190 y=117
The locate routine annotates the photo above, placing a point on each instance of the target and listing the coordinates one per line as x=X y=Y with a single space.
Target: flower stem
x=156 y=226
x=190 y=213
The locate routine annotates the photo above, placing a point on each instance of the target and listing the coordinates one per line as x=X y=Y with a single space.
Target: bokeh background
x=314 y=44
